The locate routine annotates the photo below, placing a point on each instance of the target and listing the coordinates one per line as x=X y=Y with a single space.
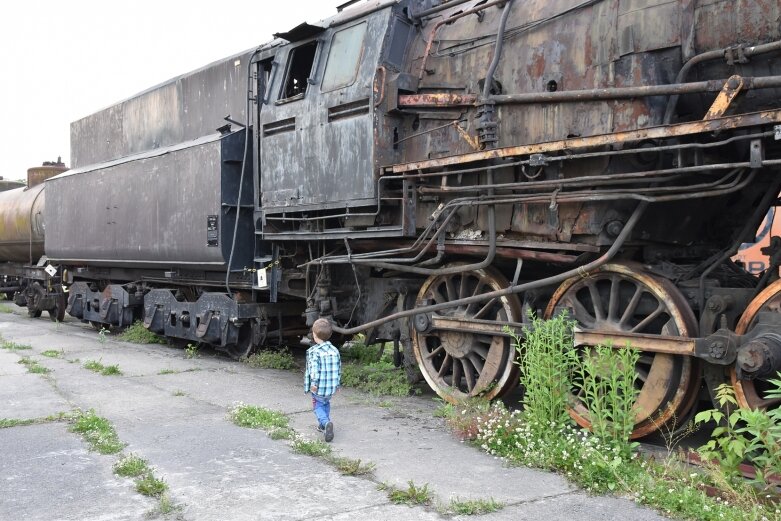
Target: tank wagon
x=428 y=172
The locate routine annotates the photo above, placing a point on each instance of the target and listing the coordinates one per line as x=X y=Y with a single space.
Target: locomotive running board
x=769 y=117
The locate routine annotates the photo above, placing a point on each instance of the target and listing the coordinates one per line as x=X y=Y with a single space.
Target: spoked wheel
x=57 y=314
x=460 y=365
x=751 y=393
x=621 y=297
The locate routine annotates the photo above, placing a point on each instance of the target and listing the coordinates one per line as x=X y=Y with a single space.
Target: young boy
x=323 y=374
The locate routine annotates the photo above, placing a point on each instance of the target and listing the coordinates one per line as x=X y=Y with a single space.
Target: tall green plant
x=546 y=360
x=606 y=381
x=744 y=435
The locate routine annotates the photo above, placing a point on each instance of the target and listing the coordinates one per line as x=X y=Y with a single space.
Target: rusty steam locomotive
x=425 y=172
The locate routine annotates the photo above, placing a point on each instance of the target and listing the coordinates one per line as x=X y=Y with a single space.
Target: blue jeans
x=322 y=408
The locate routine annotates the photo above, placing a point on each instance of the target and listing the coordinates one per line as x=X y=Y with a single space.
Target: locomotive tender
x=426 y=172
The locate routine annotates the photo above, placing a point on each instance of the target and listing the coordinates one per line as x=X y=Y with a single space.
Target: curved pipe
x=430 y=42
x=672 y=104
x=555 y=279
x=489 y=77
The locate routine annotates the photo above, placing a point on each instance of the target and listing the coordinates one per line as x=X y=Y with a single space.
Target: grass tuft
x=378 y=378
x=12 y=346
x=351 y=467
x=5 y=308
x=33 y=366
x=271 y=359
x=138 y=334
x=97 y=432
x=6 y=423
x=51 y=353
x=149 y=485
x=258 y=417
x=105 y=370
x=474 y=507
x=168 y=371
x=307 y=447
x=131 y=466
x=413 y=495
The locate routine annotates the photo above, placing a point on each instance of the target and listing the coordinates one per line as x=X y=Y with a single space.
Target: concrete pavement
x=172 y=411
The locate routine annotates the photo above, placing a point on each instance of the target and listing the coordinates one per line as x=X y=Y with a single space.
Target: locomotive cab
x=322 y=136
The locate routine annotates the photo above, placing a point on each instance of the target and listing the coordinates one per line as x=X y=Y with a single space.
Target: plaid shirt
x=323 y=369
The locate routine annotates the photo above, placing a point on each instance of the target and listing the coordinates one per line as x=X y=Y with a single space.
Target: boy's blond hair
x=322 y=329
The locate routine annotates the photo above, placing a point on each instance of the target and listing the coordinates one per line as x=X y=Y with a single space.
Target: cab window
x=344 y=57
x=299 y=68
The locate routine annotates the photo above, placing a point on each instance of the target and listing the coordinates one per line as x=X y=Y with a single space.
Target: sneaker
x=329 y=431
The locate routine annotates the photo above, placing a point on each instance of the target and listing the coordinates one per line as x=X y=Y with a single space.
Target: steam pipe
x=555 y=279
x=707 y=56
x=763 y=82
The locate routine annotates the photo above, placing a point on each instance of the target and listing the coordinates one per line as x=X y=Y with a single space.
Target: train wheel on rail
x=622 y=297
x=460 y=365
x=57 y=313
x=34 y=296
x=243 y=347
x=751 y=393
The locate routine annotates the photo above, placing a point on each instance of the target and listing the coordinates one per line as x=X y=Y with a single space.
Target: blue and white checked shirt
x=323 y=369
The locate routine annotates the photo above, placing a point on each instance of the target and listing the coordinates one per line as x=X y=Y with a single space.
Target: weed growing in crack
x=412 y=495
x=97 y=432
x=256 y=417
x=131 y=466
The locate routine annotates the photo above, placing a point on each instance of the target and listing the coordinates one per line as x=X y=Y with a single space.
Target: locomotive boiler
x=429 y=172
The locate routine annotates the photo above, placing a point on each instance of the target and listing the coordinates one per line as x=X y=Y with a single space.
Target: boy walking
x=323 y=375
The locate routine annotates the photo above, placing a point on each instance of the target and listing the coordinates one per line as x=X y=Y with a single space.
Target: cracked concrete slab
x=178 y=421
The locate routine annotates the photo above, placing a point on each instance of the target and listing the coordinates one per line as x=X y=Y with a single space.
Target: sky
x=63 y=60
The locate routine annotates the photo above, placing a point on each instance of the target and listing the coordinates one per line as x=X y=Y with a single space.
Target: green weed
x=149 y=485
x=97 y=432
x=138 y=334
x=257 y=417
x=131 y=466
x=351 y=467
x=51 y=353
x=281 y=433
x=167 y=371
x=378 y=378
x=541 y=436
x=102 y=335
x=473 y=507
x=179 y=392
x=606 y=379
x=12 y=346
x=307 y=447
x=5 y=308
x=6 y=423
x=413 y=495
x=191 y=351
x=270 y=359
x=105 y=370
x=33 y=366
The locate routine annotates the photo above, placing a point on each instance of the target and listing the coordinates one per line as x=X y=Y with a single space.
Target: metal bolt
x=717 y=349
